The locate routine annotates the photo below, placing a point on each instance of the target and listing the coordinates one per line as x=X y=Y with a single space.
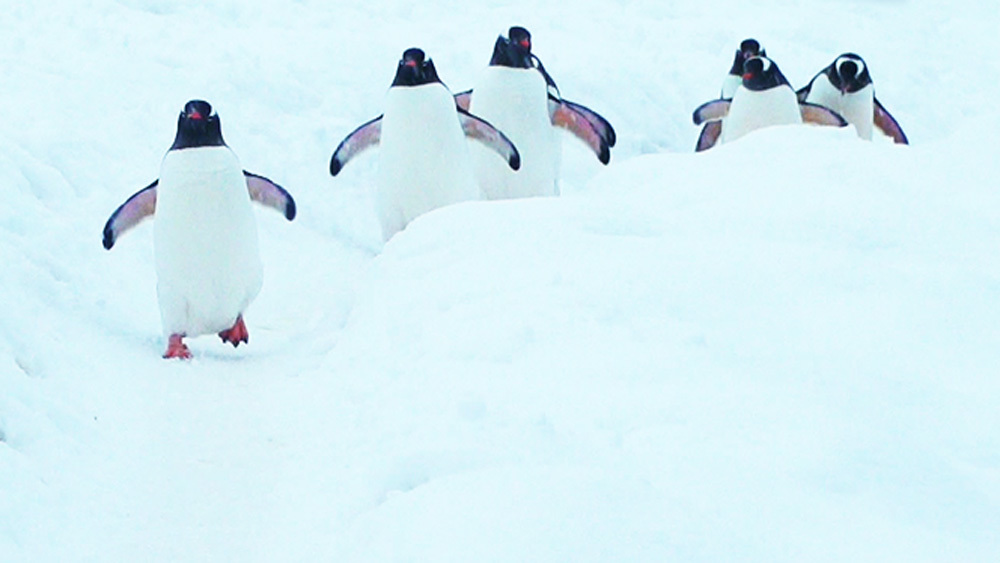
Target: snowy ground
x=786 y=348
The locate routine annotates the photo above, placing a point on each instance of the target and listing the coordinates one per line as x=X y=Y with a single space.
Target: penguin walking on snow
x=710 y=130
x=424 y=162
x=518 y=96
x=208 y=264
x=845 y=86
x=763 y=99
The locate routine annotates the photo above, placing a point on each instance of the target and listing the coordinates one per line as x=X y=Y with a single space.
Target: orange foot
x=176 y=348
x=236 y=334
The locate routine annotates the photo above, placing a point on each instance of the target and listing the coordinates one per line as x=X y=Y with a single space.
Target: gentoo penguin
x=208 y=265
x=519 y=97
x=748 y=48
x=845 y=86
x=423 y=162
x=764 y=98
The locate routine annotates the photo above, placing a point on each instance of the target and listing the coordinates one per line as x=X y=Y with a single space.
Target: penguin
x=710 y=130
x=518 y=95
x=845 y=86
x=748 y=48
x=424 y=161
x=208 y=264
x=764 y=98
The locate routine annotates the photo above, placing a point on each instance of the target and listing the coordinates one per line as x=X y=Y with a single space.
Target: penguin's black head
x=197 y=126
x=748 y=48
x=760 y=73
x=513 y=51
x=415 y=70
x=848 y=73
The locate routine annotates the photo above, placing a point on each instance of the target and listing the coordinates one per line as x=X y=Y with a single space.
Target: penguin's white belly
x=751 y=110
x=205 y=238
x=858 y=108
x=515 y=101
x=424 y=161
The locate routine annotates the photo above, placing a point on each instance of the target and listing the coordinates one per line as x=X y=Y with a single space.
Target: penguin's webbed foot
x=238 y=333
x=176 y=348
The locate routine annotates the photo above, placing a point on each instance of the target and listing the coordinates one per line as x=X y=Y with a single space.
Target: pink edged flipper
x=709 y=135
x=142 y=204
x=266 y=192
x=601 y=125
x=577 y=123
x=711 y=111
x=583 y=122
x=364 y=137
x=888 y=124
x=819 y=115
x=464 y=99
x=480 y=130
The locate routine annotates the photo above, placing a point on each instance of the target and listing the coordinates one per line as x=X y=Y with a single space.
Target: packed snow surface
x=786 y=348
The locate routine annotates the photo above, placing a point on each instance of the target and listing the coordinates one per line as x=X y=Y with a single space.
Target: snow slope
x=785 y=348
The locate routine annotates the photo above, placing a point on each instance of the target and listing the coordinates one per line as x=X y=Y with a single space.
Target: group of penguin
x=424 y=162
x=206 y=251
x=756 y=94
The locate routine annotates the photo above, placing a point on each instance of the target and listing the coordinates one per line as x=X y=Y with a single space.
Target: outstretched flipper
x=464 y=99
x=601 y=125
x=368 y=135
x=709 y=135
x=888 y=124
x=480 y=130
x=566 y=117
x=819 y=115
x=266 y=192
x=711 y=111
x=142 y=204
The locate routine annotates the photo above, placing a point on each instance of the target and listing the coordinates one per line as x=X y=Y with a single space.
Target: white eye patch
x=859 y=65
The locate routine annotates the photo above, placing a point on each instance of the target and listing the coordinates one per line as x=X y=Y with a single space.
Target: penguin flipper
x=819 y=115
x=711 y=111
x=578 y=124
x=709 y=135
x=264 y=191
x=601 y=125
x=140 y=205
x=367 y=135
x=888 y=124
x=480 y=130
x=463 y=99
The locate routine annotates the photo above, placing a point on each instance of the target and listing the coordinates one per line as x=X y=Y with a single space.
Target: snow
x=784 y=348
